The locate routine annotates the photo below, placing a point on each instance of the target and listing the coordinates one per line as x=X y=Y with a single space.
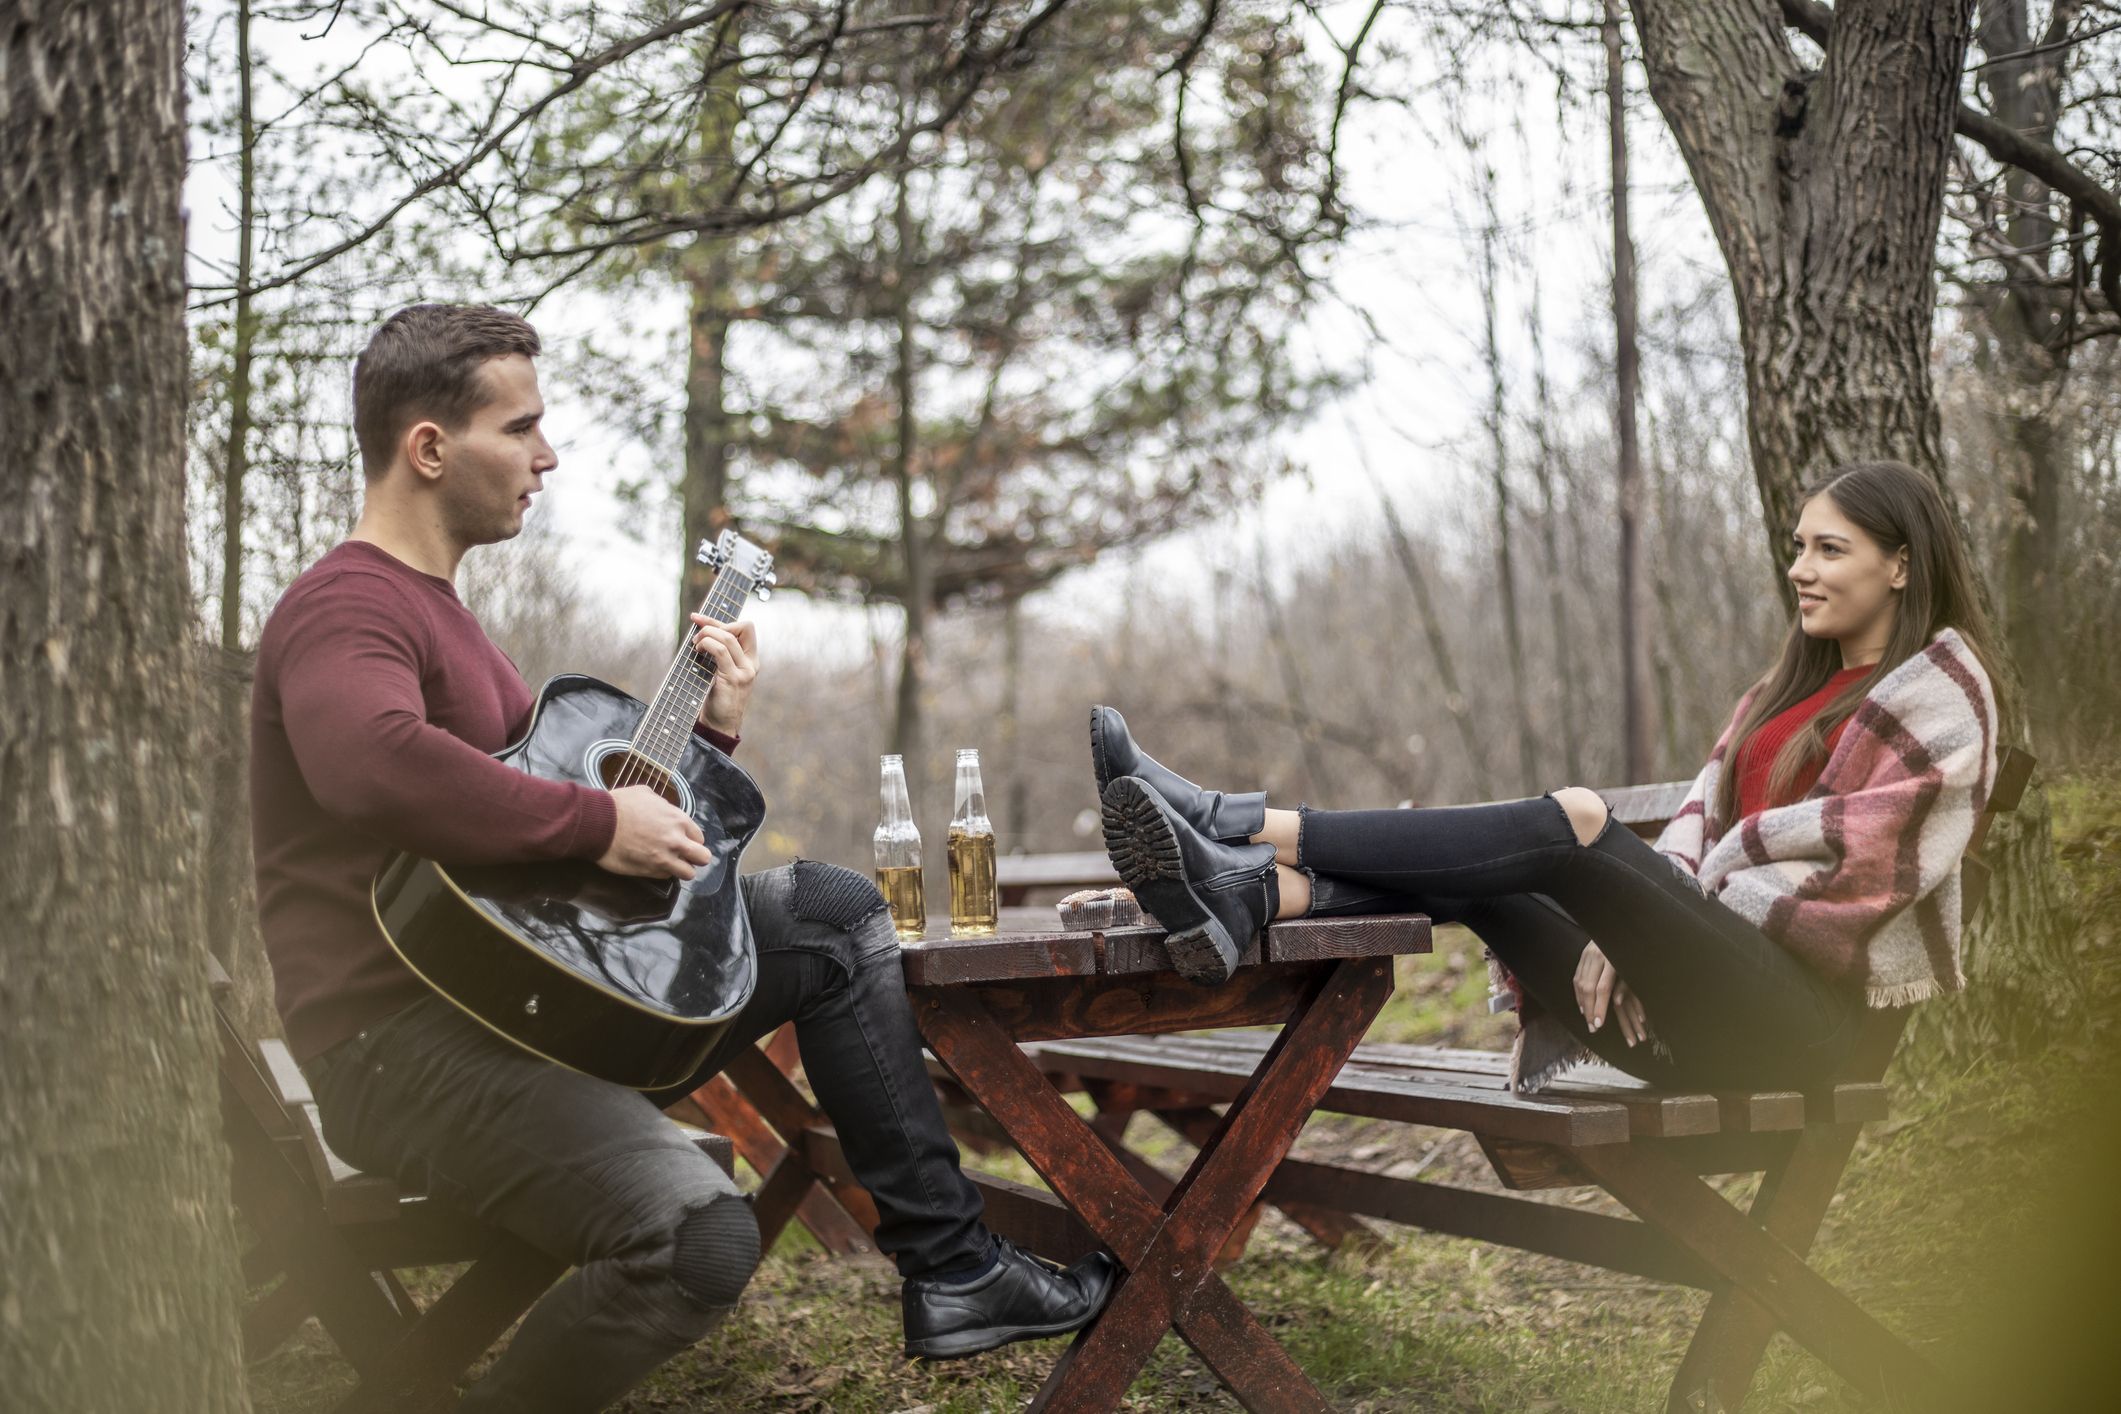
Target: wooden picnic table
x=1321 y=981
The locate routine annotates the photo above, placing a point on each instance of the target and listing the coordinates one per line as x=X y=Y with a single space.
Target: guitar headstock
x=731 y=555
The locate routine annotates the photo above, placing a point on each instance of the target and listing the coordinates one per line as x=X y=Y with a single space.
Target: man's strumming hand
x=735 y=650
x=654 y=838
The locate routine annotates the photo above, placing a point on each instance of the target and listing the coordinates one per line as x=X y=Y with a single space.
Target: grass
x=1929 y=1234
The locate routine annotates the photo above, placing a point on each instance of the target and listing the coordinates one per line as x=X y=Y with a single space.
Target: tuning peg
x=709 y=553
x=765 y=592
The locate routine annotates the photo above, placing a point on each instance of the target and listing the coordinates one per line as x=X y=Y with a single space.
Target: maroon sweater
x=378 y=704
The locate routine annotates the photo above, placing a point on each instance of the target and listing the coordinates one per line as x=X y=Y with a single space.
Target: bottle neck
x=897 y=802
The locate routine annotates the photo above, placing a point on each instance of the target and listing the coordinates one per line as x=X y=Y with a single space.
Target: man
x=377 y=704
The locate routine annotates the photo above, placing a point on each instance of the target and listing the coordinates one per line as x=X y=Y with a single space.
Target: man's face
x=497 y=461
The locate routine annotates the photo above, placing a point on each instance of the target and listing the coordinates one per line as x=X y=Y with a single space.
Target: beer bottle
x=973 y=902
x=898 y=855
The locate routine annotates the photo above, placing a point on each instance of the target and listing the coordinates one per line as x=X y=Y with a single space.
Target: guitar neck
x=666 y=726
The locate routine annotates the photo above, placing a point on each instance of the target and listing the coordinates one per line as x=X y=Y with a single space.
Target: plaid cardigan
x=1861 y=877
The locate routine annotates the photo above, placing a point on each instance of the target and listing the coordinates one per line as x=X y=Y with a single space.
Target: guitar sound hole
x=627 y=768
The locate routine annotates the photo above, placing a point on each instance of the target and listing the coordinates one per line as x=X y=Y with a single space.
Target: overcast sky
x=1404 y=303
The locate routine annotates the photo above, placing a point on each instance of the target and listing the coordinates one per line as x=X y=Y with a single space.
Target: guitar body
x=630 y=980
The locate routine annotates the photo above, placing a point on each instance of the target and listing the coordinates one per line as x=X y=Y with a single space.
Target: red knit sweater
x=1756 y=759
x=377 y=705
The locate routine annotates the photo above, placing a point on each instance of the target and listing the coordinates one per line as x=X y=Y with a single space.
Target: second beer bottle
x=974 y=907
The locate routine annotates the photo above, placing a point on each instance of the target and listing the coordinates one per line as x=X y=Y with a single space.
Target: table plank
x=1021 y=954
x=947 y=962
x=1046 y=1009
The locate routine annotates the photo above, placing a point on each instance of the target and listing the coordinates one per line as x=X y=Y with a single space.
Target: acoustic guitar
x=627 y=979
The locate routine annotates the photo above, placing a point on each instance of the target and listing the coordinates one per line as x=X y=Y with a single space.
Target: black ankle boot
x=1233 y=819
x=1213 y=898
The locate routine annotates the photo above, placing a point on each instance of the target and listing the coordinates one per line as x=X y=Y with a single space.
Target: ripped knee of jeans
x=826 y=893
x=1588 y=813
x=715 y=1252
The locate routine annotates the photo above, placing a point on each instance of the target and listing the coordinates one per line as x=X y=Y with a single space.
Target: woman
x=1811 y=872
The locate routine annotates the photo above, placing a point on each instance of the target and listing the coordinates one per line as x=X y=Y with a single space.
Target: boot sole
x=986 y=1338
x=1099 y=767
x=1143 y=849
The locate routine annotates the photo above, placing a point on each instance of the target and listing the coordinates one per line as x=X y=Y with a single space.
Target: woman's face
x=1848 y=586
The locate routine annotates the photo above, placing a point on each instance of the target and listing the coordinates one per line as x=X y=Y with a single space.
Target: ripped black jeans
x=593 y=1174
x=1734 y=1008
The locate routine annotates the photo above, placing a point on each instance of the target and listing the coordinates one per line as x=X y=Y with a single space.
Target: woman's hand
x=1599 y=990
x=735 y=650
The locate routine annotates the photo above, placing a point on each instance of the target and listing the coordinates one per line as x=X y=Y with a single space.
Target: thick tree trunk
x=117 y=1271
x=1825 y=190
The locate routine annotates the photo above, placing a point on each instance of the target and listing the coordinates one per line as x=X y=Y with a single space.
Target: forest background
x=1262 y=368
x=1249 y=368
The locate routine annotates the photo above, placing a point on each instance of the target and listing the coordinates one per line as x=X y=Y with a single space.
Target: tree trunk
x=2023 y=315
x=705 y=491
x=1454 y=700
x=1318 y=777
x=907 y=734
x=1825 y=191
x=1498 y=452
x=1549 y=522
x=231 y=915
x=1016 y=812
x=1638 y=744
x=117 y=1259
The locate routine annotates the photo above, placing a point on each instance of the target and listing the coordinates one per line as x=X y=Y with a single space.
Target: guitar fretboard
x=666 y=727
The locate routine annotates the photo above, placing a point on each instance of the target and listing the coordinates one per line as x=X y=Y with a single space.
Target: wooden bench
x=339 y=1237
x=1648 y=1148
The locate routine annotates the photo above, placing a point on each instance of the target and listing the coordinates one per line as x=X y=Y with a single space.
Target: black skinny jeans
x=1735 y=1008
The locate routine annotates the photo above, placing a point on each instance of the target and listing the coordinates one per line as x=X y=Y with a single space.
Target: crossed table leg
x=1168 y=1250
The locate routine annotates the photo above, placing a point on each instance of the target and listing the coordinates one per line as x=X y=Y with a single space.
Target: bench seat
x=1460 y=1089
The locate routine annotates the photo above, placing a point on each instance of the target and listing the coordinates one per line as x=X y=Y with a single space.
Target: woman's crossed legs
x=1539 y=880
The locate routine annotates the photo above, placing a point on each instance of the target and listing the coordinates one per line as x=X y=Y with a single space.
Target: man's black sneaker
x=1021 y=1297
x=1213 y=898
x=1233 y=819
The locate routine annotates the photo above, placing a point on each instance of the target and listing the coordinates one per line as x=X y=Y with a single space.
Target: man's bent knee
x=715 y=1253
x=1586 y=810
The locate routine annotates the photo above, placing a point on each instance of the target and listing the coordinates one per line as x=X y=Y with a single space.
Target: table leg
x=1168 y=1252
x=1820 y=1317
x=1735 y=1329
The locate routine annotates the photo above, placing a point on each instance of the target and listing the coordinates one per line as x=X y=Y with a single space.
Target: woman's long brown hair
x=1896 y=506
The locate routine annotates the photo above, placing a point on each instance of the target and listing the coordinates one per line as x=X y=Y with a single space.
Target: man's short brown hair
x=424 y=363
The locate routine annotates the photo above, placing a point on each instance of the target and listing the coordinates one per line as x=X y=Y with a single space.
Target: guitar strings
x=659 y=733
x=641 y=760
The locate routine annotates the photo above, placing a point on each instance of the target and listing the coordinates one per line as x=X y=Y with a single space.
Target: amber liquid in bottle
x=898 y=855
x=907 y=897
x=973 y=904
